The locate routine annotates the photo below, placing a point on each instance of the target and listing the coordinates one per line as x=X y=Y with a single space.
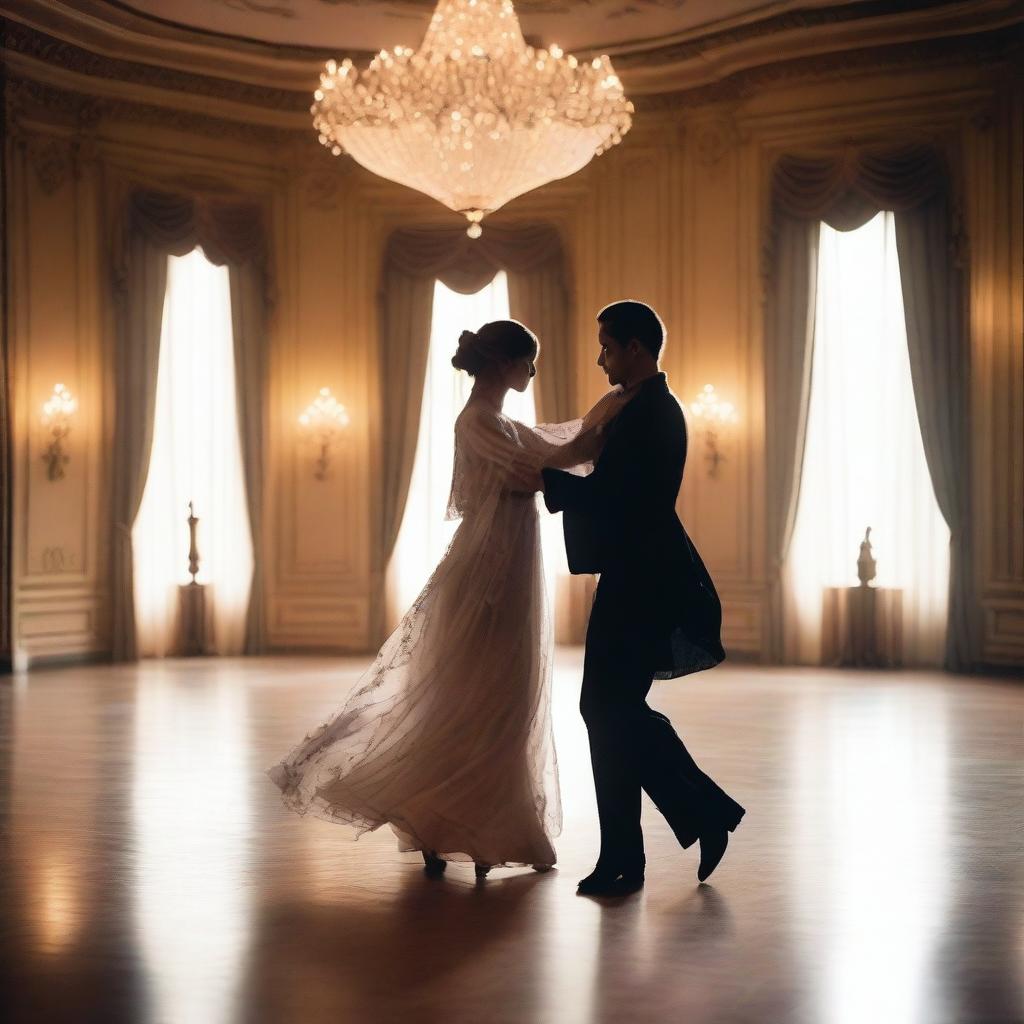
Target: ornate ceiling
x=241 y=65
x=376 y=24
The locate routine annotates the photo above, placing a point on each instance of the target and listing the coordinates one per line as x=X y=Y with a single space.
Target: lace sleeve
x=561 y=445
x=488 y=452
x=577 y=443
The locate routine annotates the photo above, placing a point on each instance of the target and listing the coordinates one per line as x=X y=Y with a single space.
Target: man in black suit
x=656 y=614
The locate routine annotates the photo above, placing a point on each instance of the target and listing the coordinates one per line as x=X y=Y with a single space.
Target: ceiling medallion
x=475 y=117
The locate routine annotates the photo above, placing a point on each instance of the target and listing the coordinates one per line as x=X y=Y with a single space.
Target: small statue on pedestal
x=192 y=627
x=193 y=550
x=865 y=561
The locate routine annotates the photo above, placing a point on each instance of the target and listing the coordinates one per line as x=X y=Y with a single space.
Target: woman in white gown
x=447 y=736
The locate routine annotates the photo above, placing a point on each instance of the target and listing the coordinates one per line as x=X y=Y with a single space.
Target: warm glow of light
x=425 y=534
x=871 y=826
x=59 y=406
x=864 y=463
x=475 y=117
x=708 y=406
x=196 y=457
x=57 y=893
x=193 y=843
x=325 y=415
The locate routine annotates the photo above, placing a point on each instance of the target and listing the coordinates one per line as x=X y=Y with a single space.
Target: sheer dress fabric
x=447 y=736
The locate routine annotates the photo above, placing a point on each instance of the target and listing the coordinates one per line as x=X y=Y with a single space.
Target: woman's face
x=519 y=373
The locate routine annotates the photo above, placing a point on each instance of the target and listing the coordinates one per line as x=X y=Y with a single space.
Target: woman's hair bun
x=468 y=357
x=496 y=342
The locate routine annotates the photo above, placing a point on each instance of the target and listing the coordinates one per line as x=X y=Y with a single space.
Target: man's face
x=614 y=359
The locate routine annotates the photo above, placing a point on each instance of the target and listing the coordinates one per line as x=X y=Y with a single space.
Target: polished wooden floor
x=151 y=873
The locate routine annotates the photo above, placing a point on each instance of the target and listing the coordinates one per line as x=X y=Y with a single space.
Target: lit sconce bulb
x=707 y=406
x=713 y=414
x=57 y=412
x=60 y=403
x=324 y=419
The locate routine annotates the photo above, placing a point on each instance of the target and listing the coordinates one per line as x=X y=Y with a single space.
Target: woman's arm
x=585 y=447
x=564 y=445
x=607 y=407
x=513 y=462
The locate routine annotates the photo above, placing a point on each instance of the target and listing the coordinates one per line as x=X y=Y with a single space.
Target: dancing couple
x=447 y=736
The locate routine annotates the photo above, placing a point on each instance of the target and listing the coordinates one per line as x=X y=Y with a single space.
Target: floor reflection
x=151 y=874
x=57 y=910
x=193 y=839
x=422 y=938
x=872 y=772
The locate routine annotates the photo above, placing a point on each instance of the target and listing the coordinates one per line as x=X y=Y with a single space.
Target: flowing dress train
x=447 y=736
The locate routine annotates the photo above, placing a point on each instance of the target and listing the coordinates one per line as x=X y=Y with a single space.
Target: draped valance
x=229 y=231
x=848 y=187
x=464 y=264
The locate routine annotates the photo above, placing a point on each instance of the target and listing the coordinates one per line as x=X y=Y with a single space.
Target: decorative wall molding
x=60 y=606
x=714 y=139
x=1003 y=639
x=994 y=213
x=51 y=162
x=322 y=190
x=87 y=111
x=57 y=560
x=40 y=47
x=299 y=621
x=1004 y=44
x=115 y=30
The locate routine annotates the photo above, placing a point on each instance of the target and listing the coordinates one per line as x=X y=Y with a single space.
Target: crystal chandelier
x=475 y=117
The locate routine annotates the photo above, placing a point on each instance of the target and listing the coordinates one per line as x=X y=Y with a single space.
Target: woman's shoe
x=434 y=865
x=481 y=870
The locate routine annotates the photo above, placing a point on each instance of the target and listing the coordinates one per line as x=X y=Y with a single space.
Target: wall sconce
x=57 y=413
x=713 y=414
x=324 y=419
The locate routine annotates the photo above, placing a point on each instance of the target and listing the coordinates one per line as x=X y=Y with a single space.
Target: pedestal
x=862 y=627
x=195 y=623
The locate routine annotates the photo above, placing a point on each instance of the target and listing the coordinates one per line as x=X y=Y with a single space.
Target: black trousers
x=634 y=748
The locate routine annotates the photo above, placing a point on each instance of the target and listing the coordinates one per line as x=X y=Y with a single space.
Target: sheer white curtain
x=864 y=463
x=196 y=457
x=425 y=534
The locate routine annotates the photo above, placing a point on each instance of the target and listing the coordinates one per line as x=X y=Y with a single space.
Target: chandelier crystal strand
x=475 y=117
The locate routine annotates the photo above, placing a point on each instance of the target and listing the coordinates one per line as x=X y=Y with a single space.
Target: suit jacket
x=621 y=522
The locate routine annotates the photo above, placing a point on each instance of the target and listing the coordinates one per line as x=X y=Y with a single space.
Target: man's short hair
x=630 y=319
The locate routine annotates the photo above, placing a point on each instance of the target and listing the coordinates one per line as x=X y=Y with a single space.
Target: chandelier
x=475 y=117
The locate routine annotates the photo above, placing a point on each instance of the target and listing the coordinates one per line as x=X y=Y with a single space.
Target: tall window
x=864 y=463
x=425 y=534
x=196 y=457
